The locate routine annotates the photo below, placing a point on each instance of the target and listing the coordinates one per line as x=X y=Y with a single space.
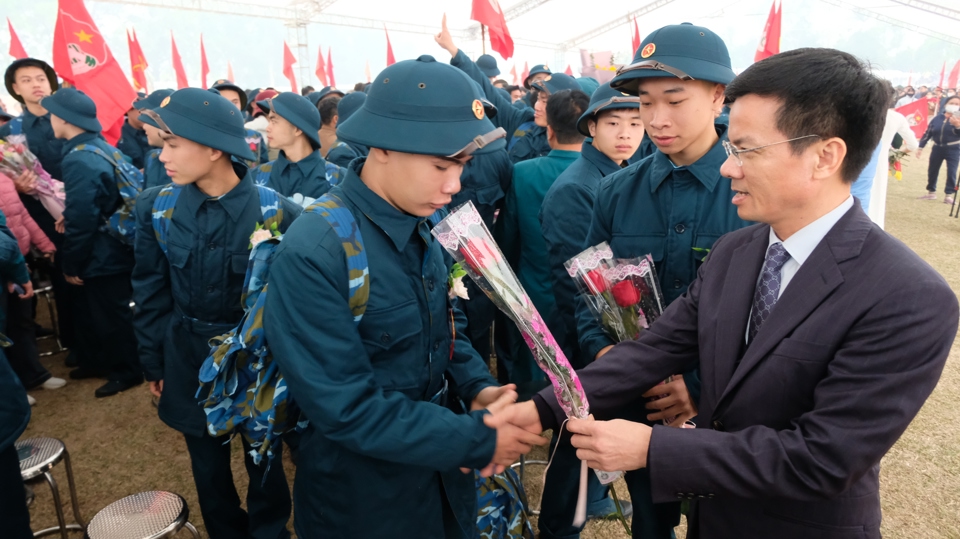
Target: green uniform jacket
x=377 y=457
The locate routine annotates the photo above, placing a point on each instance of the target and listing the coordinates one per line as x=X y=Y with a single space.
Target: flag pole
x=483 y=38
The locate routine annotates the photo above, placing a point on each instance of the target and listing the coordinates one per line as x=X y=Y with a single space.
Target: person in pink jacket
x=21 y=329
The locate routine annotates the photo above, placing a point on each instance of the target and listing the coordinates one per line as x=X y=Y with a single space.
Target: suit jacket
x=793 y=427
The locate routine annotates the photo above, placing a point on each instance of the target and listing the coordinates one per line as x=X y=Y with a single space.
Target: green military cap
x=74 y=107
x=683 y=51
x=424 y=107
x=203 y=116
x=297 y=110
x=227 y=84
x=153 y=100
x=537 y=69
x=606 y=98
x=11 y=73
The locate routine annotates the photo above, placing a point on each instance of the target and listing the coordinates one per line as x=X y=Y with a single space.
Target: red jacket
x=19 y=221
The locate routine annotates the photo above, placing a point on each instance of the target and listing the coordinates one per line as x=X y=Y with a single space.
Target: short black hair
x=306 y=90
x=328 y=108
x=501 y=81
x=513 y=88
x=824 y=92
x=892 y=93
x=358 y=87
x=564 y=109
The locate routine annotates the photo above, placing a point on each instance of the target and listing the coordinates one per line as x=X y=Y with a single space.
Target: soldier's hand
x=26 y=182
x=156 y=388
x=444 y=39
x=61 y=225
x=494 y=398
x=673 y=402
x=74 y=280
x=512 y=441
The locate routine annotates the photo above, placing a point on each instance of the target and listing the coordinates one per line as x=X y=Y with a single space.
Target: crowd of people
x=798 y=368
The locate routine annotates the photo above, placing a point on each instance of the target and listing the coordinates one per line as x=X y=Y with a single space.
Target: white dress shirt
x=800 y=245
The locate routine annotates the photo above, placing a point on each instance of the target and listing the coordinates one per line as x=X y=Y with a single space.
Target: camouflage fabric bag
x=242 y=389
x=332 y=172
x=122 y=223
x=502 y=507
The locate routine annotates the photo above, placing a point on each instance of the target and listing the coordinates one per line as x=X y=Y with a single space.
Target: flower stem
x=616 y=501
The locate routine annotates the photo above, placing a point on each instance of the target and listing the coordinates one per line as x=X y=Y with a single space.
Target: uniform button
x=385 y=338
x=718 y=426
x=677 y=284
x=210 y=289
x=436 y=345
x=709 y=496
x=212 y=247
x=430 y=285
x=679 y=495
x=680 y=228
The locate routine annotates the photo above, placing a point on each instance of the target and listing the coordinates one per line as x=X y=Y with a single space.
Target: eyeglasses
x=479 y=142
x=653 y=64
x=733 y=151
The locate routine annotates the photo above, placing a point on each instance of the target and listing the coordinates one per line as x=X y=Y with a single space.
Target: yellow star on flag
x=83 y=36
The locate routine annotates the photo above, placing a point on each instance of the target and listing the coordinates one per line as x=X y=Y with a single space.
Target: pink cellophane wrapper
x=467 y=239
x=15 y=158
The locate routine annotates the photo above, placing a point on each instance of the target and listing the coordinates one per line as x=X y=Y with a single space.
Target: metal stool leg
x=196 y=534
x=56 y=504
x=55 y=326
x=73 y=491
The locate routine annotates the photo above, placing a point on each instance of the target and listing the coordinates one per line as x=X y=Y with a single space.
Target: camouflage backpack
x=122 y=223
x=241 y=387
x=502 y=507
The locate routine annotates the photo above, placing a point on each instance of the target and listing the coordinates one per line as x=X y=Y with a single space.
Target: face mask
x=952 y=109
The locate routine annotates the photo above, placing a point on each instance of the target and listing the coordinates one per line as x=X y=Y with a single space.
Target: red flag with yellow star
x=82 y=58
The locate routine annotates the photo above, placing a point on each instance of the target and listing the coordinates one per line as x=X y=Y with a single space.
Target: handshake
x=604 y=445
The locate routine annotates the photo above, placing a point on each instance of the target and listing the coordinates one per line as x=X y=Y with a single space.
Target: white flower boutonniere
x=260 y=234
x=455 y=280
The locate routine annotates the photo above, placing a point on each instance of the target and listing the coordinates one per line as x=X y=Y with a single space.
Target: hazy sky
x=254 y=45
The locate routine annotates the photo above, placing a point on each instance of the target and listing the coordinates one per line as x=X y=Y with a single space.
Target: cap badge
x=648 y=51
x=165 y=102
x=478 y=109
x=548 y=77
x=545 y=67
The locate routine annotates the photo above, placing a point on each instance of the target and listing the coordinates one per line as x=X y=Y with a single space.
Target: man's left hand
x=673 y=402
x=611 y=445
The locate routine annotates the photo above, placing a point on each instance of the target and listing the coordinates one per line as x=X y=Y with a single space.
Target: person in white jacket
x=896 y=124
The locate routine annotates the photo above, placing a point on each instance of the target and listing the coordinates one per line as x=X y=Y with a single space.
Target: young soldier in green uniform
x=299 y=173
x=672 y=205
x=192 y=246
x=518 y=230
x=133 y=140
x=95 y=263
x=342 y=151
x=154 y=173
x=381 y=455
x=234 y=94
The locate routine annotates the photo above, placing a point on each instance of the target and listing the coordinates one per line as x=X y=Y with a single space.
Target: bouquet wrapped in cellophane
x=464 y=235
x=469 y=242
x=15 y=158
x=623 y=294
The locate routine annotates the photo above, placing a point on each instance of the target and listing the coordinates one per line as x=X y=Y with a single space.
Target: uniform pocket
x=391 y=337
x=180 y=278
x=489 y=195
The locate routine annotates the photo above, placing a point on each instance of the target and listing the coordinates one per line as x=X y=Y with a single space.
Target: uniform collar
x=30 y=118
x=398 y=226
x=706 y=169
x=598 y=159
x=305 y=165
x=564 y=154
x=233 y=202
x=83 y=138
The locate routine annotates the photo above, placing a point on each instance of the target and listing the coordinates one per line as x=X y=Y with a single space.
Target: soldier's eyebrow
x=674 y=90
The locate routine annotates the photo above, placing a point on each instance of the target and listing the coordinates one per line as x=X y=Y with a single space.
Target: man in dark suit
x=818 y=335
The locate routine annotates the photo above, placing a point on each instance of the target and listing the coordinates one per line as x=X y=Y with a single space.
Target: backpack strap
x=16 y=126
x=263 y=173
x=117 y=156
x=341 y=219
x=163 y=213
x=270 y=207
x=333 y=173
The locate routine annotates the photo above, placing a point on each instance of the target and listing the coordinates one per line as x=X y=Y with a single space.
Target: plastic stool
x=37 y=457
x=147 y=515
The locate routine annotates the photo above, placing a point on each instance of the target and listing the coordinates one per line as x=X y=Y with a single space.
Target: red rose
x=473 y=255
x=596 y=283
x=626 y=294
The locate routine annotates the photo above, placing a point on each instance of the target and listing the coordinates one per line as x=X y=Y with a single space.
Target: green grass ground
x=119 y=447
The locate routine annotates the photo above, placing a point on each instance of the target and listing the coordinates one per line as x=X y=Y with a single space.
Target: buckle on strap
x=653 y=64
x=479 y=142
